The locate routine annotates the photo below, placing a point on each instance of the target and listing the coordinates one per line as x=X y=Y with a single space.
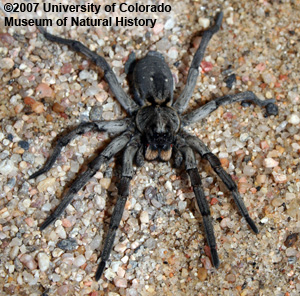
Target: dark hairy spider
x=154 y=130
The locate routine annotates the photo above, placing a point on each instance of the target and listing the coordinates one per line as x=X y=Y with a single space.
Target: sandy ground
x=160 y=248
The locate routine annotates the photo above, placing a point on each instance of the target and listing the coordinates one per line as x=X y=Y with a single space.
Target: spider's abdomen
x=153 y=80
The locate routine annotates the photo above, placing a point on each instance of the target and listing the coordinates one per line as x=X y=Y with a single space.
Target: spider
x=154 y=130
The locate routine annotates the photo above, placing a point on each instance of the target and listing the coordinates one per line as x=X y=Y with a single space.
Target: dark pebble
x=230 y=80
x=150 y=192
x=10 y=137
x=24 y=145
x=68 y=244
x=95 y=113
x=291 y=239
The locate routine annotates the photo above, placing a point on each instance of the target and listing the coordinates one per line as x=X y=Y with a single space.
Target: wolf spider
x=153 y=130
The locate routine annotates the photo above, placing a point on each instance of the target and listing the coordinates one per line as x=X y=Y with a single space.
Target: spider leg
x=215 y=163
x=191 y=168
x=243 y=97
x=116 y=126
x=127 y=103
x=112 y=148
x=182 y=102
x=127 y=173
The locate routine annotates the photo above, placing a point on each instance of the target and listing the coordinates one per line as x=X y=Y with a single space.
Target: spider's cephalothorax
x=158 y=126
x=153 y=130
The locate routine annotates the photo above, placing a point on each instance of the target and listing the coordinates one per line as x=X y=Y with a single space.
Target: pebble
x=231 y=278
x=28 y=261
x=96 y=242
x=105 y=183
x=173 y=53
x=202 y=274
x=6 y=63
x=58 y=108
x=144 y=217
x=43 y=90
x=150 y=243
x=66 y=68
x=79 y=260
x=120 y=282
x=6 y=167
x=121 y=247
x=204 y=22
x=270 y=162
x=206 y=66
x=261 y=179
x=14 y=252
x=169 y=24
x=23 y=144
x=150 y=192
x=62 y=290
x=277 y=202
x=92 y=91
x=244 y=137
x=291 y=240
x=37 y=107
x=158 y=28
x=294 y=119
x=249 y=170
x=61 y=232
x=268 y=78
x=43 y=261
x=68 y=244
x=279 y=178
x=230 y=80
x=95 y=113
x=291 y=252
x=46 y=183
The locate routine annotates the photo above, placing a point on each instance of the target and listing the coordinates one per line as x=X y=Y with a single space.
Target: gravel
x=160 y=248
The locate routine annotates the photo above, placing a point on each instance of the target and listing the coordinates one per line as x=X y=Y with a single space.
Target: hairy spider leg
x=116 y=126
x=215 y=163
x=182 y=102
x=112 y=148
x=191 y=168
x=244 y=97
x=127 y=103
x=127 y=173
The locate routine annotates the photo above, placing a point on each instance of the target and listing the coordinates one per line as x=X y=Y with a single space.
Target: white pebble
x=169 y=24
x=92 y=90
x=121 y=247
x=61 y=232
x=264 y=220
x=6 y=167
x=144 y=217
x=244 y=137
x=204 y=22
x=294 y=119
x=125 y=259
x=14 y=252
x=270 y=162
x=173 y=53
x=79 y=260
x=182 y=205
x=168 y=185
x=43 y=261
x=291 y=252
